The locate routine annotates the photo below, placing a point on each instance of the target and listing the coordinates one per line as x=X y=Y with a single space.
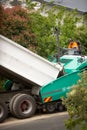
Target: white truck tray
x=22 y=63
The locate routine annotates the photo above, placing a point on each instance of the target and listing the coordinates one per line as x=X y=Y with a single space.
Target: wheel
x=60 y=107
x=24 y=106
x=50 y=107
x=11 y=103
x=3 y=111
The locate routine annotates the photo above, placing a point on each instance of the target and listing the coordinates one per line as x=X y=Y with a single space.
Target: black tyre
x=3 y=111
x=60 y=107
x=24 y=106
x=50 y=107
x=11 y=103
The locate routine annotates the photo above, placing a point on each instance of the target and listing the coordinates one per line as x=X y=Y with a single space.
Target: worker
x=73 y=44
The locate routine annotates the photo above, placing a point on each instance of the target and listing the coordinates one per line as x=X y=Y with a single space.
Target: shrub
x=76 y=104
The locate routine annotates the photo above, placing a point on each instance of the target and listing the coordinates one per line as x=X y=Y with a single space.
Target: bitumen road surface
x=39 y=122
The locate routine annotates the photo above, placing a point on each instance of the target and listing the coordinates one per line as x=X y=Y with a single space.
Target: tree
x=42 y=27
x=66 y=21
x=68 y=28
x=16 y=26
x=81 y=35
x=76 y=104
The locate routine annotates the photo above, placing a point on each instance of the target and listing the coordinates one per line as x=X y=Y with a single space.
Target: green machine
x=73 y=64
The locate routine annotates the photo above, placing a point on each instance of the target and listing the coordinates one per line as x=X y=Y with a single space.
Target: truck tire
x=11 y=103
x=24 y=106
x=50 y=107
x=3 y=111
x=60 y=107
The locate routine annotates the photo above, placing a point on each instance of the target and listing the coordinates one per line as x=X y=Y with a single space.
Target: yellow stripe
x=48 y=99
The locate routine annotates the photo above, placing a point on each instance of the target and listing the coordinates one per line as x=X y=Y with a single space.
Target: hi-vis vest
x=73 y=45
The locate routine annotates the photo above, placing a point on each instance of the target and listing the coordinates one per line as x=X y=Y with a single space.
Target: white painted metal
x=25 y=63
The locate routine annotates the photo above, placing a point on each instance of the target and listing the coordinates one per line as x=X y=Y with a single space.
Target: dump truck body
x=20 y=63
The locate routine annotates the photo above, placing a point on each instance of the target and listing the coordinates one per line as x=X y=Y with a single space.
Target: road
x=41 y=122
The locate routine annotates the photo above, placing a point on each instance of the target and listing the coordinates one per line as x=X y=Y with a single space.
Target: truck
x=34 y=82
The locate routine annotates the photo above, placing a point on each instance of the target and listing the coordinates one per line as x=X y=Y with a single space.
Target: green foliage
x=81 y=35
x=42 y=27
x=76 y=104
x=68 y=28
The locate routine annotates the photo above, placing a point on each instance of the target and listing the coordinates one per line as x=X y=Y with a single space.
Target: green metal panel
x=59 y=87
x=72 y=63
